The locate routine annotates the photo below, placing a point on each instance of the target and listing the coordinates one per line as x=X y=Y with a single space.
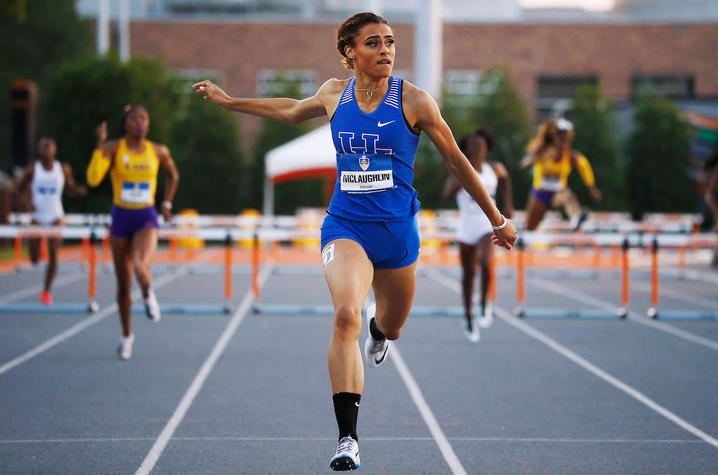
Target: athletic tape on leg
x=328 y=254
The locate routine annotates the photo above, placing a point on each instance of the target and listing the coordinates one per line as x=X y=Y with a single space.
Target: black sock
x=346 y=409
x=374 y=330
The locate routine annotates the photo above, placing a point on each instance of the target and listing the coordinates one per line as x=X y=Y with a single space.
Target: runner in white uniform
x=474 y=234
x=46 y=187
x=473 y=223
x=47 y=178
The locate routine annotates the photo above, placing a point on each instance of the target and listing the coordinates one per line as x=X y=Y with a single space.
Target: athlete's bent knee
x=391 y=333
x=141 y=268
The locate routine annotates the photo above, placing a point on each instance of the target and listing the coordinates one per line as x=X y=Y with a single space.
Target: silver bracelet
x=503 y=225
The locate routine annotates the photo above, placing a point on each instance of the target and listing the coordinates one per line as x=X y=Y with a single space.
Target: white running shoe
x=471 y=332
x=375 y=351
x=152 y=307
x=488 y=318
x=577 y=221
x=347 y=456
x=125 y=349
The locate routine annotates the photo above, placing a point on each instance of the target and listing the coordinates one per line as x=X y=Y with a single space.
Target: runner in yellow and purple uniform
x=133 y=162
x=552 y=159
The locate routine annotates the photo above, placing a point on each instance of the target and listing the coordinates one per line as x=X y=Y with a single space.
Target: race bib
x=550 y=183
x=136 y=193
x=362 y=174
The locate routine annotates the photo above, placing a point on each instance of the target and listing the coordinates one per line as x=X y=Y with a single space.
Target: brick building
x=547 y=61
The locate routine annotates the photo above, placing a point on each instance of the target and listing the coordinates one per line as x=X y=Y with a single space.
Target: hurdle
x=521 y=311
x=223 y=235
x=91 y=235
x=34 y=231
x=681 y=242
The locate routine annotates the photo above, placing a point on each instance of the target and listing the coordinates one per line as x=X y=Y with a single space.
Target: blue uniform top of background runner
x=381 y=134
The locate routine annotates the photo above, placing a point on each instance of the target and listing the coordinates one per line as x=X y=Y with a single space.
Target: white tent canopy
x=311 y=154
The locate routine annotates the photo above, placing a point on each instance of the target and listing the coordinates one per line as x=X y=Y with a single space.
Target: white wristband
x=167 y=204
x=503 y=225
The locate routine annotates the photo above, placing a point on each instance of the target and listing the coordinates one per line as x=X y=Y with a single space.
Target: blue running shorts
x=389 y=245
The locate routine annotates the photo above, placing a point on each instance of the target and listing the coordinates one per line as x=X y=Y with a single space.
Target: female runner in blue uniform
x=370 y=236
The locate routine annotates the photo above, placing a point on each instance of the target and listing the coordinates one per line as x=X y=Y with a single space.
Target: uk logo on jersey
x=367 y=144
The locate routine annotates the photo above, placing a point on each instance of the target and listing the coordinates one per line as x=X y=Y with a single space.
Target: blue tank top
x=375 y=159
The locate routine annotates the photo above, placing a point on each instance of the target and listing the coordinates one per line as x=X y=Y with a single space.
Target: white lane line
x=36 y=289
x=364 y=438
x=590 y=367
x=677 y=295
x=448 y=282
x=589 y=300
x=76 y=440
x=78 y=327
x=163 y=439
x=444 y=446
x=694 y=274
x=579 y=441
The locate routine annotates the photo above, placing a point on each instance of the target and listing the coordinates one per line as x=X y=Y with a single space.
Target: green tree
x=592 y=115
x=290 y=195
x=207 y=152
x=85 y=92
x=37 y=36
x=499 y=107
x=13 y=10
x=659 y=151
x=429 y=175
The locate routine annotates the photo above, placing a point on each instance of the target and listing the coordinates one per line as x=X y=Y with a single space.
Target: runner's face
x=47 y=149
x=374 y=50
x=477 y=150
x=562 y=139
x=137 y=123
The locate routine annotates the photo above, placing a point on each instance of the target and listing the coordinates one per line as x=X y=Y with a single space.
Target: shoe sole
x=471 y=338
x=485 y=322
x=343 y=464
